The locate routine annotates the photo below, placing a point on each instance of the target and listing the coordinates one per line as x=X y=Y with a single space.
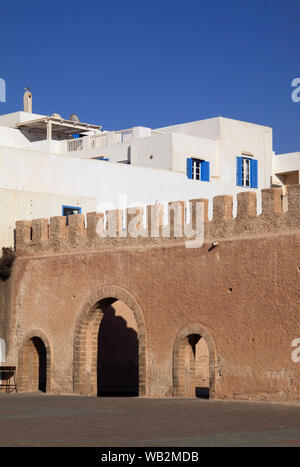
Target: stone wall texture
x=240 y=295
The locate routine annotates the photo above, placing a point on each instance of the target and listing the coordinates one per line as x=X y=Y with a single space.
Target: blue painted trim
x=239 y=171
x=189 y=168
x=253 y=173
x=204 y=167
x=70 y=207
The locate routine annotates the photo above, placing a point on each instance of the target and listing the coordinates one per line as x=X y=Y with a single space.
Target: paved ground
x=47 y=420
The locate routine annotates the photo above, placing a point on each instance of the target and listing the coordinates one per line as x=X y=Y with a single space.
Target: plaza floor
x=38 y=419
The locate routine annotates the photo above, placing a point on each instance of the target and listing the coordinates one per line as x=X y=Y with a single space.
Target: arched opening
x=33 y=366
x=194 y=363
x=118 y=356
x=110 y=347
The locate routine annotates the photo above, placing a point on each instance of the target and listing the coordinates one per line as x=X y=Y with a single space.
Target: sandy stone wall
x=41 y=237
x=242 y=297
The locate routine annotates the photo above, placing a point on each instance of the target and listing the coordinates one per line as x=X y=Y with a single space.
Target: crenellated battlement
x=145 y=227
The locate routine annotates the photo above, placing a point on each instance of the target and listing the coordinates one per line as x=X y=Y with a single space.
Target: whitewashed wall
x=24 y=205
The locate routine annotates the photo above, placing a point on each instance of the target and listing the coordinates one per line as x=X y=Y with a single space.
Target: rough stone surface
x=242 y=297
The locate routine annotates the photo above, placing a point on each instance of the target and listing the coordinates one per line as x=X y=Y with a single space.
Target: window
x=100 y=158
x=69 y=210
x=246 y=172
x=197 y=169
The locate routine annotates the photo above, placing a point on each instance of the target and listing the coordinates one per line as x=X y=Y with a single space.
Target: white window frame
x=246 y=172
x=196 y=169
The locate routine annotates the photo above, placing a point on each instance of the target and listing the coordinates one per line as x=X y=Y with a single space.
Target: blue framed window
x=197 y=169
x=70 y=210
x=247 y=172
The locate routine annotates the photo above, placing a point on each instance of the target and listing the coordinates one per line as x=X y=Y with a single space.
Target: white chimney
x=27 y=99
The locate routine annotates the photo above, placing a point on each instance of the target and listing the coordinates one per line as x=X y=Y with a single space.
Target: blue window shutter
x=205 y=171
x=239 y=171
x=189 y=168
x=253 y=173
x=202 y=171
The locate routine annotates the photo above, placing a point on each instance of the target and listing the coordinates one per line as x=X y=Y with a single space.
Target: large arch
x=179 y=357
x=86 y=340
x=35 y=337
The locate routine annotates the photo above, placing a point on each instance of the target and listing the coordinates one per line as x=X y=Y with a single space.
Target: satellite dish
x=74 y=118
x=56 y=115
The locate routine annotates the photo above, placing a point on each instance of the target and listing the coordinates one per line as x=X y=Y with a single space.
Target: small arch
x=86 y=352
x=35 y=363
x=183 y=352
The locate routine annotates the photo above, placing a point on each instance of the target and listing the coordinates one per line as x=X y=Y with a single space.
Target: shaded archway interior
x=33 y=368
x=196 y=367
x=118 y=350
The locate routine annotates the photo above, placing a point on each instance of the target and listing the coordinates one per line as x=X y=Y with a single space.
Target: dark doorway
x=34 y=371
x=196 y=367
x=117 y=359
x=42 y=363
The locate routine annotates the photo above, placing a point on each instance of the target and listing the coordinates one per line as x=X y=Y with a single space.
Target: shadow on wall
x=40 y=350
x=118 y=359
x=196 y=367
x=6 y=262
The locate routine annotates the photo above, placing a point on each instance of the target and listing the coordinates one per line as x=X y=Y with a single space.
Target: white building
x=51 y=166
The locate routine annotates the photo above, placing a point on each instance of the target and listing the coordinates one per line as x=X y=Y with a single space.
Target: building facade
x=52 y=166
x=89 y=306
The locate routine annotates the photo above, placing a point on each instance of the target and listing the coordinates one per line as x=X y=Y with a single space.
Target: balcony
x=100 y=140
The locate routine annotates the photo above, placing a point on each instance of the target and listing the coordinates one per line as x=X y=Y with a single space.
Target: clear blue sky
x=154 y=63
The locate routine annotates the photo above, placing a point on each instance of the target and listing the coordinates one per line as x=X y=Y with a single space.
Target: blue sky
x=155 y=63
